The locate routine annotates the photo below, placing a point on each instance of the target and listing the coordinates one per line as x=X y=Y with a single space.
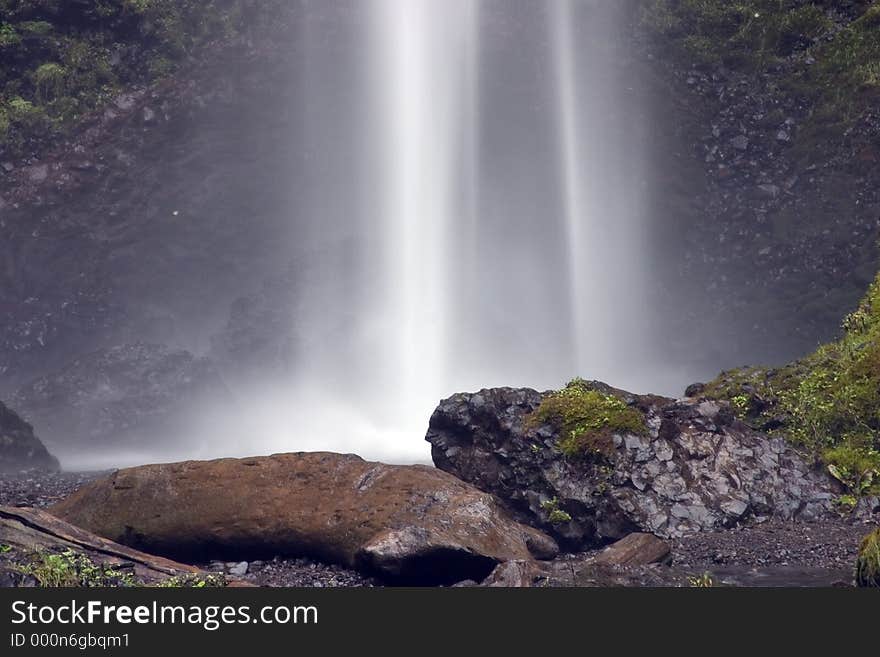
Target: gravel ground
x=829 y=544
x=40 y=489
x=293 y=572
x=771 y=553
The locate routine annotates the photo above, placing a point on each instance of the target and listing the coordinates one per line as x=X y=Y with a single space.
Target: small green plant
x=555 y=515
x=70 y=569
x=9 y=37
x=586 y=419
x=193 y=581
x=704 y=581
x=868 y=562
x=49 y=81
x=846 y=502
x=5 y=549
x=856 y=468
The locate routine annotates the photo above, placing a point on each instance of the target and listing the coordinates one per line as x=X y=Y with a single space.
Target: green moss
x=555 y=515
x=70 y=569
x=586 y=419
x=744 y=33
x=68 y=58
x=828 y=403
x=868 y=562
x=841 y=80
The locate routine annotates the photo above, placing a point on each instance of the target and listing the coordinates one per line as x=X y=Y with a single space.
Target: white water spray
x=489 y=235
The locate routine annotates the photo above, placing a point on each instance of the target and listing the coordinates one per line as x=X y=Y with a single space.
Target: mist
x=475 y=216
x=462 y=192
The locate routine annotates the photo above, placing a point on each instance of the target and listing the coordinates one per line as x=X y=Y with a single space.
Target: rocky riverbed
x=770 y=553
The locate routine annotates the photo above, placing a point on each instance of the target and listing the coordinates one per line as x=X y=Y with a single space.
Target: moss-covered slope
x=835 y=44
x=828 y=402
x=63 y=58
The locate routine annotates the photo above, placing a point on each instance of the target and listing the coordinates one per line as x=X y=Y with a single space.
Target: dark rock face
x=120 y=395
x=256 y=341
x=20 y=449
x=412 y=524
x=142 y=224
x=698 y=468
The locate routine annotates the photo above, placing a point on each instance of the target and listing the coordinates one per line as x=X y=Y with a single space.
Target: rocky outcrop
x=695 y=468
x=20 y=449
x=405 y=523
x=120 y=396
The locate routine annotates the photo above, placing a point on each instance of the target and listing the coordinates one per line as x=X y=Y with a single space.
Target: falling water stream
x=475 y=218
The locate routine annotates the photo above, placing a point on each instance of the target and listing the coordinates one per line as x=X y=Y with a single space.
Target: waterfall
x=475 y=218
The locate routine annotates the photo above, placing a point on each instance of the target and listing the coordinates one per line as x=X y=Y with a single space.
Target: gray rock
x=119 y=396
x=20 y=449
x=239 y=569
x=740 y=142
x=697 y=468
x=38 y=173
x=771 y=191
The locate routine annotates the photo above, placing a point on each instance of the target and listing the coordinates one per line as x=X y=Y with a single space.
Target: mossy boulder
x=587 y=419
x=590 y=464
x=868 y=562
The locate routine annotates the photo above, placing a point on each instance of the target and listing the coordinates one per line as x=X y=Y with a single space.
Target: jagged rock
x=20 y=449
x=405 y=523
x=697 y=468
x=119 y=396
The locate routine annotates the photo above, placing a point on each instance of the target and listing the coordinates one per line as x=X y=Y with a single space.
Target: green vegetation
x=828 y=403
x=868 y=562
x=704 y=581
x=193 y=581
x=555 y=515
x=838 y=70
x=64 y=58
x=69 y=569
x=736 y=33
x=4 y=549
x=586 y=419
x=72 y=569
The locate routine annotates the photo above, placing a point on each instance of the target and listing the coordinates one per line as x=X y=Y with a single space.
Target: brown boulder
x=409 y=523
x=635 y=550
